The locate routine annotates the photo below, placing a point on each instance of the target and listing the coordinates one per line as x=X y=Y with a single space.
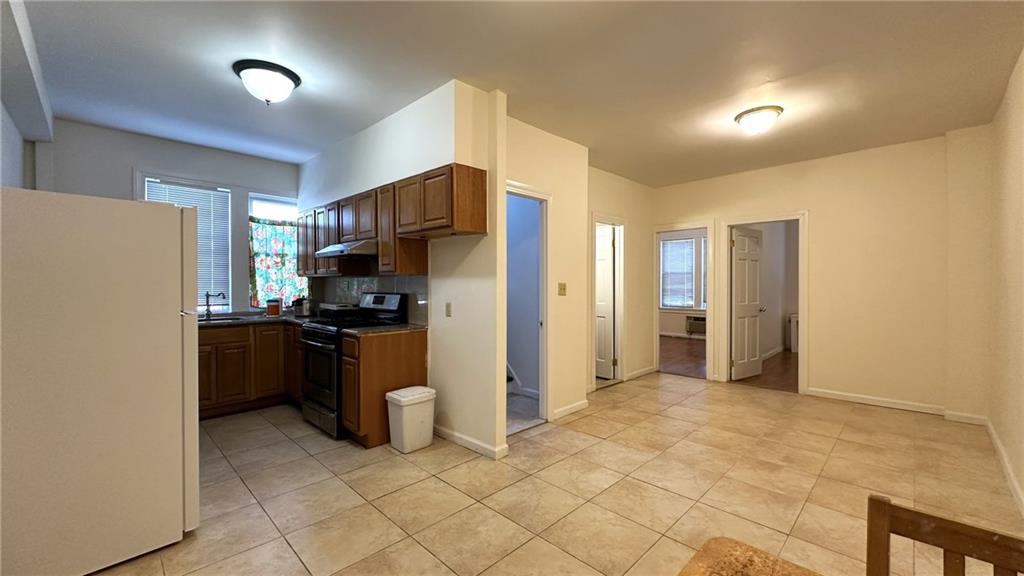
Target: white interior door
x=746 y=303
x=604 y=291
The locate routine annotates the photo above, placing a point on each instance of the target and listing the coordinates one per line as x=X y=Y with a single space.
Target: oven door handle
x=317 y=344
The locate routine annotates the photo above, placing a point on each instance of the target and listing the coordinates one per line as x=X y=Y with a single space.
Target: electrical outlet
x=448 y=309
x=561 y=288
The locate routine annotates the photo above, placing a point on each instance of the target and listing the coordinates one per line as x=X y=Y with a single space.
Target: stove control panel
x=380 y=301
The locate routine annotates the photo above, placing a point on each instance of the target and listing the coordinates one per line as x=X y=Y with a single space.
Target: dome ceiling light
x=266 y=81
x=758 y=120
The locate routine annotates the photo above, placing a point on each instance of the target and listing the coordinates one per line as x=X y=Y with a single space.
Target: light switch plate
x=561 y=288
x=448 y=309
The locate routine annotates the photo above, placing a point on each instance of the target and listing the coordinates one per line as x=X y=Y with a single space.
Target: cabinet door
x=408 y=205
x=300 y=245
x=326 y=224
x=347 y=220
x=268 y=375
x=437 y=199
x=309 y=226
x=366 y=215
x=207 y=376
x=386 y=229
x=233 y=365
x=350 y=394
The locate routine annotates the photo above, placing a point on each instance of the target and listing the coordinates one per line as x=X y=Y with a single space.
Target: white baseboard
x=772 y=352
x=876 y=401
x=641 y=372
x=966 y=418
x=473 y=444
x=1004 y=459
x=694 y=336
x=566 y=410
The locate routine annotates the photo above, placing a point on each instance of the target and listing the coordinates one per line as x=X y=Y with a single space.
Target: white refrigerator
x=98 y=380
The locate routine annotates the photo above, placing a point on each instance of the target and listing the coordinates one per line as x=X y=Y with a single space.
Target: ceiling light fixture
x=758 y=120
x=265 y=80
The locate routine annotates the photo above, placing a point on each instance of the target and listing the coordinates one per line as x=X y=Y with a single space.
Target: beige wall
x=414 y=139
x=630 y=204
x=969 y=358
x=97 y=161
x=467 y=349
x=1007 y=392
x=556 y=167
x=875 y=218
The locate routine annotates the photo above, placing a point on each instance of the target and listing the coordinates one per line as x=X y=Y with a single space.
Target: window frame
x=700 y=238
x=139 y=193
x=272 y=198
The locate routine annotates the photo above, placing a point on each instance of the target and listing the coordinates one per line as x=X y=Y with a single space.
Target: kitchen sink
x=221 y=319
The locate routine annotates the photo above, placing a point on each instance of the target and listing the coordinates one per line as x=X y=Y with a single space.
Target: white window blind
x=213 y=208
x=677 y=273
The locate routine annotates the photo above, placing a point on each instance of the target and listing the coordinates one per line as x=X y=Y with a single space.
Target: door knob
x=762 y=308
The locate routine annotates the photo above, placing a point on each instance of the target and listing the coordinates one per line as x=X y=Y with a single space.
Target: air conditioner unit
x=696 y=325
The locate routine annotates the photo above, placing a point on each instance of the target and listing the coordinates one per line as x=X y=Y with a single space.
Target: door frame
x=619 y=329
x=527 y=191
x=723 y=322
x=709 y=347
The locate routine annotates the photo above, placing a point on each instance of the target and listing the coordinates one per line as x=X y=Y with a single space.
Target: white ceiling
x=651 y=88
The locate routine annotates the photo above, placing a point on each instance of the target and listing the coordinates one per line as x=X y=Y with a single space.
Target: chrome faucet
x=217 y=295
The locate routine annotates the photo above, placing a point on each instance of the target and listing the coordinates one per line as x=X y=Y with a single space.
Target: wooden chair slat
x=953 y=564
x=957 y=539
x=878 y=536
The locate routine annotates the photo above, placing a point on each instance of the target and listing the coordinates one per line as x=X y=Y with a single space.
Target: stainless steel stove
x=321 y=338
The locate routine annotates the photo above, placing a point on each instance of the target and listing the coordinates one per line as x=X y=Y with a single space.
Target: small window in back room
x=273 y=251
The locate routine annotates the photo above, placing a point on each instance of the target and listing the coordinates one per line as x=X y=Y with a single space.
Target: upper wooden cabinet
x=409 y=205
x=326 y=223
x=366 y=215
x=396 y=255
x=347 y=224
x=447 y=201
x=306 y=243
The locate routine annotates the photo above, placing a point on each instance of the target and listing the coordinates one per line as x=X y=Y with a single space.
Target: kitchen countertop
x=242 y=319
x=246 y=319
x=379 y=329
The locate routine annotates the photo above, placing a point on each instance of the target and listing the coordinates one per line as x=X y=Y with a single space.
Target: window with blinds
x=678 y=272
x=213 y=212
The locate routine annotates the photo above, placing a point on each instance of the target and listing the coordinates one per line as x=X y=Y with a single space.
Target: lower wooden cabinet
x=242 y=368
x=207 y=376
x=386 y=361
x=350 y=394
x=234 y=371
x=268 y=372
x=294 y=361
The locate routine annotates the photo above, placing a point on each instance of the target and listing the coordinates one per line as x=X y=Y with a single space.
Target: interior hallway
x=633 y=485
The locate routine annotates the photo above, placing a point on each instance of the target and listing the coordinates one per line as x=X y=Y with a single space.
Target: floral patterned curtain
x=272 y=262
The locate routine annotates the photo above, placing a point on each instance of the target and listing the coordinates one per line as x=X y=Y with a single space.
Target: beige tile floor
x=632 y=485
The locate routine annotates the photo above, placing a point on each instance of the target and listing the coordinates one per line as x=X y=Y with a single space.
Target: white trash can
x=411 y=418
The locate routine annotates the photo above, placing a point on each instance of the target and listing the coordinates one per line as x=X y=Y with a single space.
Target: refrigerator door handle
x=184 y=313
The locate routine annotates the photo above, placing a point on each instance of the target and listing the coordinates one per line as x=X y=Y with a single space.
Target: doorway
x=607 y=303
x=525 y=312
x=764 y=301
x=683 y=302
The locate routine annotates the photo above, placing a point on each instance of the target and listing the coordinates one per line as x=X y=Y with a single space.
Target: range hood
x=356 y=248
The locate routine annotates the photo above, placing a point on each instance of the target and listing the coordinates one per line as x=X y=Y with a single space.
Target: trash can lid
x=411 y=395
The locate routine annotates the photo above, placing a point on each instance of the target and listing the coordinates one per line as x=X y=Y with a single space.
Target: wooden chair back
x=957 y=540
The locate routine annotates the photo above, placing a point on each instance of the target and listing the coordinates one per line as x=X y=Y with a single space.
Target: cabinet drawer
x=350 y=347
x=223 y=335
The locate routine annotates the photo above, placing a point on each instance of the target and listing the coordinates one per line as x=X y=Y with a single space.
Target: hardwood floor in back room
x=686 y=357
